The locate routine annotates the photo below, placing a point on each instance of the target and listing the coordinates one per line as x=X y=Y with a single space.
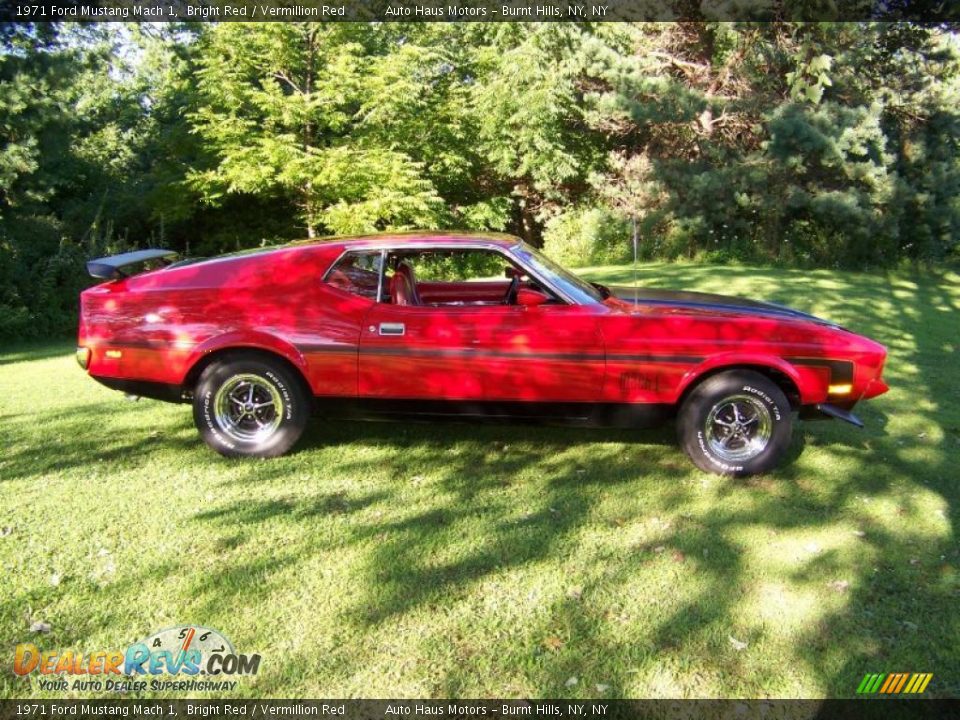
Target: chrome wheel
x=738 y=428
x=248 y=408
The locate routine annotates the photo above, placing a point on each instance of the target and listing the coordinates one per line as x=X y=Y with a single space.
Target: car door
x=544 y=353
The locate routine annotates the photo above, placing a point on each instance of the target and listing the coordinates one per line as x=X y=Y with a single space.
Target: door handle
x=395 y=329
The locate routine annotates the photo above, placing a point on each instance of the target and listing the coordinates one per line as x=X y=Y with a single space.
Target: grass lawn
x=415 y=560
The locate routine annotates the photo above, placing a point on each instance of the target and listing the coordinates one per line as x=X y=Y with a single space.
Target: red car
x=439 y=324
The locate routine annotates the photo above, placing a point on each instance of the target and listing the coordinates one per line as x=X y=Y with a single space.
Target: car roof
x=341 y=243
x=416 y=238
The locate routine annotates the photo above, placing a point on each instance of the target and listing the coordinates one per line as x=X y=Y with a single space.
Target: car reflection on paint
x=481 y=326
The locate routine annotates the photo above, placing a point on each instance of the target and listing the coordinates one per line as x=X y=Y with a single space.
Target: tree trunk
x=308 y=128
x=309 y=209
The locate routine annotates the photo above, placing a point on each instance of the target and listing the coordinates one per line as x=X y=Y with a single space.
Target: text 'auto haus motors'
x=187 y=658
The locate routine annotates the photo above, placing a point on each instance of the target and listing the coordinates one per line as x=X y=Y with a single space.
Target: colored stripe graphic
x=894 y=683
x=869 y=684
x=901 y=680
x=886 y=684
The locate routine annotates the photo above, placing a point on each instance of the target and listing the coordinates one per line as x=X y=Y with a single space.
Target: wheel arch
x=267 y=347
x=780 y=373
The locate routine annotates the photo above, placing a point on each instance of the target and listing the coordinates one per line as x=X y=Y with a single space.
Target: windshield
x=577 y=289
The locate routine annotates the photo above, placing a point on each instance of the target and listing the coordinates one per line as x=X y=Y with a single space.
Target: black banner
x=929 y=11
x=874 y=709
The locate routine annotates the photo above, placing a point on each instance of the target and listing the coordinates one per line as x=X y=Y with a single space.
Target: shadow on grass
x=896 y=614
x=53 y=441
x=33 y=351
x=898 y=609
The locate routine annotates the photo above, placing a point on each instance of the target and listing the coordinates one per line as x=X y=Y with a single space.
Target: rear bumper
x=142 y=388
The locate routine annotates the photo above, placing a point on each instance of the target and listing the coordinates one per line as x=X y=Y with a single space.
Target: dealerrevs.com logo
x=184 y=658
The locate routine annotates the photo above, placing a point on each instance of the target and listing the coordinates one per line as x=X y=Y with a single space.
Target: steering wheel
x=511 y=297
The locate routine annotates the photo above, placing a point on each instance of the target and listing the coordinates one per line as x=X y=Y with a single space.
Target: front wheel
x=736 y=423
x=246 y=405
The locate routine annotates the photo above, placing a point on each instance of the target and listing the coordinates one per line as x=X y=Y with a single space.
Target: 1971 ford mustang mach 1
x=439 y=324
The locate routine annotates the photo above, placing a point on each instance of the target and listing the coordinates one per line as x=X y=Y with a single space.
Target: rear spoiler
x=109 y=268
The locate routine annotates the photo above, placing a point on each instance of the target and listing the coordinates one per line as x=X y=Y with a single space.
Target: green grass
x=405 y=560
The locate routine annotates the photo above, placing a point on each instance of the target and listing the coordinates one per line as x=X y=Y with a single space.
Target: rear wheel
x=736 y=423
x=247 y=405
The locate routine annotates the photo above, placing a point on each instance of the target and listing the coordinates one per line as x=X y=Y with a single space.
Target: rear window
x=357 y=273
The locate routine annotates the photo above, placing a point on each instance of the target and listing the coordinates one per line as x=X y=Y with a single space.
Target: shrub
x=41 y=275
x=587 y=236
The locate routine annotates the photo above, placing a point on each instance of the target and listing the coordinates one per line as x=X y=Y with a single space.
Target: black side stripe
x=325 y=348
x=145 y=344
x=479 y=353
x=685 y=359
x=841 y=371
x=500 y=354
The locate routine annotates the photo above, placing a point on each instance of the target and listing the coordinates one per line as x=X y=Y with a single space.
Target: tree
x=278 y=106
x=67 y=151
x=790 y=142
x=528 y=99
x=802 y=143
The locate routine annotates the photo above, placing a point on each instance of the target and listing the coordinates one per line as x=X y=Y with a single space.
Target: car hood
x=710 y=302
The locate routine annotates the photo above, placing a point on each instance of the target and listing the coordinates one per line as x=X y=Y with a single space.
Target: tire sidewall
x=694 y=414
x=295 y=410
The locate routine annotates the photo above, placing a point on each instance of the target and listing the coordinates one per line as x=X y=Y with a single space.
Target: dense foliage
x=805 y=144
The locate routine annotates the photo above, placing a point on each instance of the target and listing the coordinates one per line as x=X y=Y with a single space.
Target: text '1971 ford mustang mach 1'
x=436 y=325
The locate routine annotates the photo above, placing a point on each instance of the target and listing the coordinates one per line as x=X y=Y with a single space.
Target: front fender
x=810 y=385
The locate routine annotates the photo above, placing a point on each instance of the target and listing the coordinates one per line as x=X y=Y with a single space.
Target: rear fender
x=249 y=340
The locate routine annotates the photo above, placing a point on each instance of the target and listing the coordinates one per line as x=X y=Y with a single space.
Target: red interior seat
x=403 y=286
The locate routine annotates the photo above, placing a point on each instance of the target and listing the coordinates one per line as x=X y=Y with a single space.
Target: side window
x=357 y=273
x=453 y=266
x=446 y=277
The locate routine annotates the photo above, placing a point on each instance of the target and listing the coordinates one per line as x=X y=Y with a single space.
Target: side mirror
x=510 y=272
x=531 y=298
